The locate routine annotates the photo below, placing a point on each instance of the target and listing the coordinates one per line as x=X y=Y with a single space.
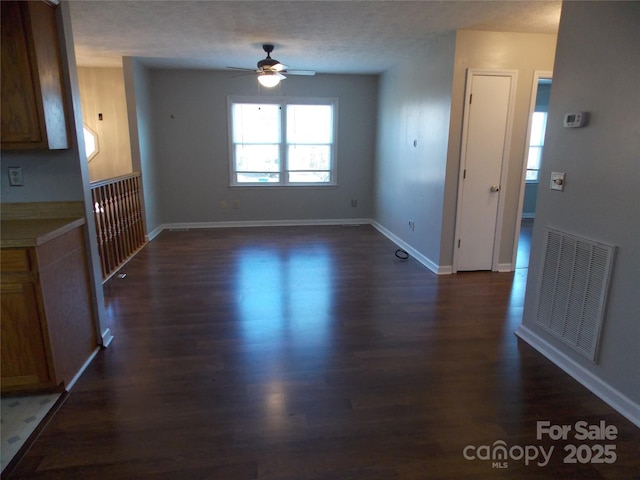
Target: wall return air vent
x=573 y=290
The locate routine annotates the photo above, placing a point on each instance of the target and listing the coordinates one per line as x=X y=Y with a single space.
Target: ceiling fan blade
x=241 y=68
x=309 y=73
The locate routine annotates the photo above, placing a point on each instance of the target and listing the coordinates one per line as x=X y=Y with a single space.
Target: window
x=288 y=142
x=90 y=143
x=536 y=142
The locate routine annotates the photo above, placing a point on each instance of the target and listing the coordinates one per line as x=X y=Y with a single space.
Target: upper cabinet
x=33 y=113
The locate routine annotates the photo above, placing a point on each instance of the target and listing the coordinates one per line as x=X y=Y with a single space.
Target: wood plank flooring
x=313 y=353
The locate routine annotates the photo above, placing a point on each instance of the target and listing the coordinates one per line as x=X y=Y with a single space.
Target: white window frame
x=539 y=146
x=283 y=102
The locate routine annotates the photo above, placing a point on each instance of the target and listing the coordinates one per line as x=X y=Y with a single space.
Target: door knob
x=495 y=188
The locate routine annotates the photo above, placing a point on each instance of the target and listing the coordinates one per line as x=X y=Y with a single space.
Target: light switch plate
x=557 y=181
x=15 y=177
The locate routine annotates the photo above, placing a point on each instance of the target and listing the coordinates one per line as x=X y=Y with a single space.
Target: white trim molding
x=616 y=399
x=431 y=265
x=107 y=337
x=261 y=223
x=77 y=376
x=513 y=76
x=537 y=75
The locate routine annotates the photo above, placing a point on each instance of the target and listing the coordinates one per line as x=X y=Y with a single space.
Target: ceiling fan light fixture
x=270 y=79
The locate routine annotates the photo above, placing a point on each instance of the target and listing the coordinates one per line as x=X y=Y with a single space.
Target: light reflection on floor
x=280 y=303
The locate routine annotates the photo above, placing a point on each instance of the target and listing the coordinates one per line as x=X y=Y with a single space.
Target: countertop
x=32 y=232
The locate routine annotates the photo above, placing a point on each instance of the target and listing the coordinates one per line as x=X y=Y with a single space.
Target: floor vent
x=573 y=290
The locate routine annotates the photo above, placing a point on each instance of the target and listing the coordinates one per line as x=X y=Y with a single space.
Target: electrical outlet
x=15 y=177
x=223 y=204
x=354 y=202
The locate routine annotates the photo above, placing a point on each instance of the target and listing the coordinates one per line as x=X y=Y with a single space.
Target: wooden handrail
x=119 y=226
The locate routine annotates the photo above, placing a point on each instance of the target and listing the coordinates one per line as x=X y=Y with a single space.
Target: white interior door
x=485 y=142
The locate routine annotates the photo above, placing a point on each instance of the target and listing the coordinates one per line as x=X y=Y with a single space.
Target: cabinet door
x=33 y=94
x=20 y=116
x=25 y=363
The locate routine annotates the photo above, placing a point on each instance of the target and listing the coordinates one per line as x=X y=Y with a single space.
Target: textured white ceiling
x=326 y=36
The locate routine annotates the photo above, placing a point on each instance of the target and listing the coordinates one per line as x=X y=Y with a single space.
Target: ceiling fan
x=270 y=71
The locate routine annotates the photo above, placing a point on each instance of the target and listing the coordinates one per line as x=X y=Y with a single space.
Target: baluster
x=99 y=233
x=128 y=214
x=113 y=227
x=119 y=223
x=117 y=196
x=138 y=208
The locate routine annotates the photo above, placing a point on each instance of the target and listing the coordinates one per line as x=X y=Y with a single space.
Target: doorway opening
x=538 y=112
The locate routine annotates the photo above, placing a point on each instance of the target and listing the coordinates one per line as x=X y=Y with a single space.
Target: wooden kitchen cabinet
x=48 y=330
x=25 y=363
x=33 y=107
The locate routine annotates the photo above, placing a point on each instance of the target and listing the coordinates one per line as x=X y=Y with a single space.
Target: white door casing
x=537 y=76
x=489 y=100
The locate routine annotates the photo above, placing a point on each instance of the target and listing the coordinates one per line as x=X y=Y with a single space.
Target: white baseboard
x=435 y=268
x=431 y=265
x=73 y=381
x=616 y=399
x=504 y=267
x=107 y=338
x=263 y=223
x=153 y=234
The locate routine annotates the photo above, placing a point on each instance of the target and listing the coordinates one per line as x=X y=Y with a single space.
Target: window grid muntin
x=536 y=144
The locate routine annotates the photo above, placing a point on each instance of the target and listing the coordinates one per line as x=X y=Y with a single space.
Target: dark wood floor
x=312 y=353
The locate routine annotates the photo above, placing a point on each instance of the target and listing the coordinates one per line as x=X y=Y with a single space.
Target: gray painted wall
x=597 y=70
x=415 y=103
x=529 y=200
x=139 y=101
x=190 y=149
x=49 y=176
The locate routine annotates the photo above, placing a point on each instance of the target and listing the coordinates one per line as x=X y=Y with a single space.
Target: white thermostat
x=575 y=120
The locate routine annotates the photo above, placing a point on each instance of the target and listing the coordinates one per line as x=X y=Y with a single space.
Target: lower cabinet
x=48 y=331
x=24 y=353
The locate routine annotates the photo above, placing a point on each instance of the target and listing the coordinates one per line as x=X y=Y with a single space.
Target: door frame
x=537 y=75
x=471 y=72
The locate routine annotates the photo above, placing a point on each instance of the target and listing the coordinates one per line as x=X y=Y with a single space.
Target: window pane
x=309 y=177
x=257 y=177
x=538 y=125
x=255 y=123
x=309 y=123
x=533 y=160
x=309 y=157
x=532 y=175
x=257 y=158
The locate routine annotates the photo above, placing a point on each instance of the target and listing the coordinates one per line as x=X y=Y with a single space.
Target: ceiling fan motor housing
x=268 y=63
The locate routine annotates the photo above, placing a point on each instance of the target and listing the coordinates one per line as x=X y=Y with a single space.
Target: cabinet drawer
x=14 y=260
